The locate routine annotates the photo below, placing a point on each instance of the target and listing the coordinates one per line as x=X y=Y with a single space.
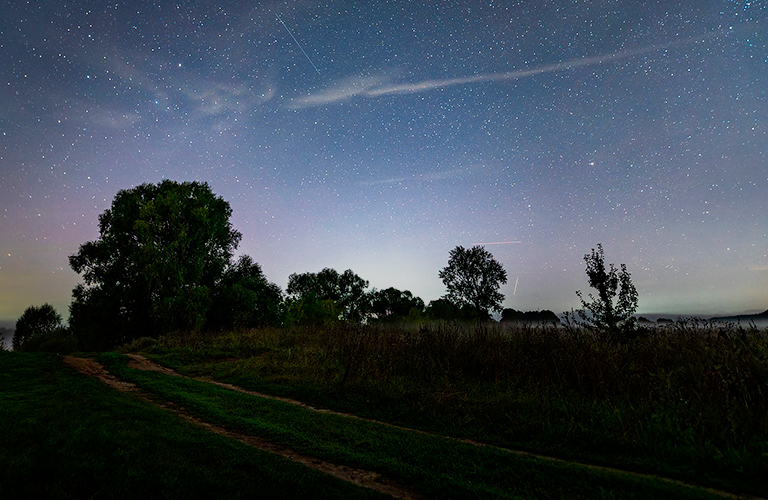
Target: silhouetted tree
x=473 y=277
x=345 y=290
x=612 y=311
x=161 y=251
x=243 y=298
x=392 y=304
x=35 y=322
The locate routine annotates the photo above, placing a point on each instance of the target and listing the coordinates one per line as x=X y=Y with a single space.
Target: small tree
x=35 y=322
x=473 y=278
x=612 y=312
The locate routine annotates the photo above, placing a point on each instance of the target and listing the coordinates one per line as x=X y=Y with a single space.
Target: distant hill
x=744 y=318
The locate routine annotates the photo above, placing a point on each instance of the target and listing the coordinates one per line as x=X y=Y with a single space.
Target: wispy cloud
x=434 y=176
x=370 y=87
x=341 y=91
x=177 y=92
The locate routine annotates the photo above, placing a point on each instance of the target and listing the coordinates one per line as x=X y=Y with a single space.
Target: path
x=363 y=478
x=366 y=479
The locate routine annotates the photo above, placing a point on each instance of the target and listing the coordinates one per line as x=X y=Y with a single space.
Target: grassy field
x=65 y=435
x=687 y=402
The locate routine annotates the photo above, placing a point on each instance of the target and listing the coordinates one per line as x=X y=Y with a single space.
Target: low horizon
x=10 y=323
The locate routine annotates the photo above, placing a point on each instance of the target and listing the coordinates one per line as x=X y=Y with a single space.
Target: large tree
x=473 y=278
x=162 y=249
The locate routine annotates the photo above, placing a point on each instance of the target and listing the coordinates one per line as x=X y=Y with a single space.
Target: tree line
x=164 y=262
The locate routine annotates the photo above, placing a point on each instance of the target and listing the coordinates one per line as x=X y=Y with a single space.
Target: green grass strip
x=435 y=466
x=65 y=435
x=668 y=437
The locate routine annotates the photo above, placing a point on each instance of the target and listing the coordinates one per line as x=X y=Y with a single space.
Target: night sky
x=377 y=136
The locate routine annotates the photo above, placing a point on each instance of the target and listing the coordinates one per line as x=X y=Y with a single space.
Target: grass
x=689 y=401
x=435 y=466
x=64 y=435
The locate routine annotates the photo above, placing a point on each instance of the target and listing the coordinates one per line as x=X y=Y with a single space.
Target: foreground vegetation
x=431 y=465
x=687 y=401
x=64 y=435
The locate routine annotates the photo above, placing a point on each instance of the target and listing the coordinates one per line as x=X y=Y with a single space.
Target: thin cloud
x=435 y=176
x=342 y=91
x=372 y=88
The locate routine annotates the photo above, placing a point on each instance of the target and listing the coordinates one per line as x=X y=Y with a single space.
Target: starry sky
x=377 y=136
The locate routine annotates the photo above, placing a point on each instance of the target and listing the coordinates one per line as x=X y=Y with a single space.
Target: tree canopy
x=244 y=298
x=346 y=292
x=392 y=304
x=35 y=322
x=161 y=251
x=473 y=277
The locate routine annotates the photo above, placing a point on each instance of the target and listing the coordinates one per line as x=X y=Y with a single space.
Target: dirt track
x=366 y=479
x=363 y=478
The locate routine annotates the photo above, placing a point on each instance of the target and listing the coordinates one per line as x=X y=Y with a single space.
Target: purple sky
x=377 y=136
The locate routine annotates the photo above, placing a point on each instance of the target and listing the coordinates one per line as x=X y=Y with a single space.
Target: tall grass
x=690 y=399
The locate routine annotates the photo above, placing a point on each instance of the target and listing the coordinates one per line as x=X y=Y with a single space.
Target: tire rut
x=139 y=362
x=360 y=477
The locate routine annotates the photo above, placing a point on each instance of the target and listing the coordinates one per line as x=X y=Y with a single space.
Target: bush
x=59 y=341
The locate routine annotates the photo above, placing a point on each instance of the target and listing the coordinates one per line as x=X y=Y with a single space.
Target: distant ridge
x=763 y=316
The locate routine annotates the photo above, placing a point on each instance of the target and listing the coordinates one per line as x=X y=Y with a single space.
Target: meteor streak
x=298 y=44
x=514 y=292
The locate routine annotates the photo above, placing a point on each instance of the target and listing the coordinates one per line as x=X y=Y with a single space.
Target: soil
x=94 y=369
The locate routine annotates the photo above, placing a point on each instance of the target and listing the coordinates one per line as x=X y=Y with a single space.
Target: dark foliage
x=163 y=263
x=316 y=297
x=391 y=305
x=473 y=277
x=534 y=317
x=444 y=309
x=35 y=322
x=611 y=313
x=244 y=298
